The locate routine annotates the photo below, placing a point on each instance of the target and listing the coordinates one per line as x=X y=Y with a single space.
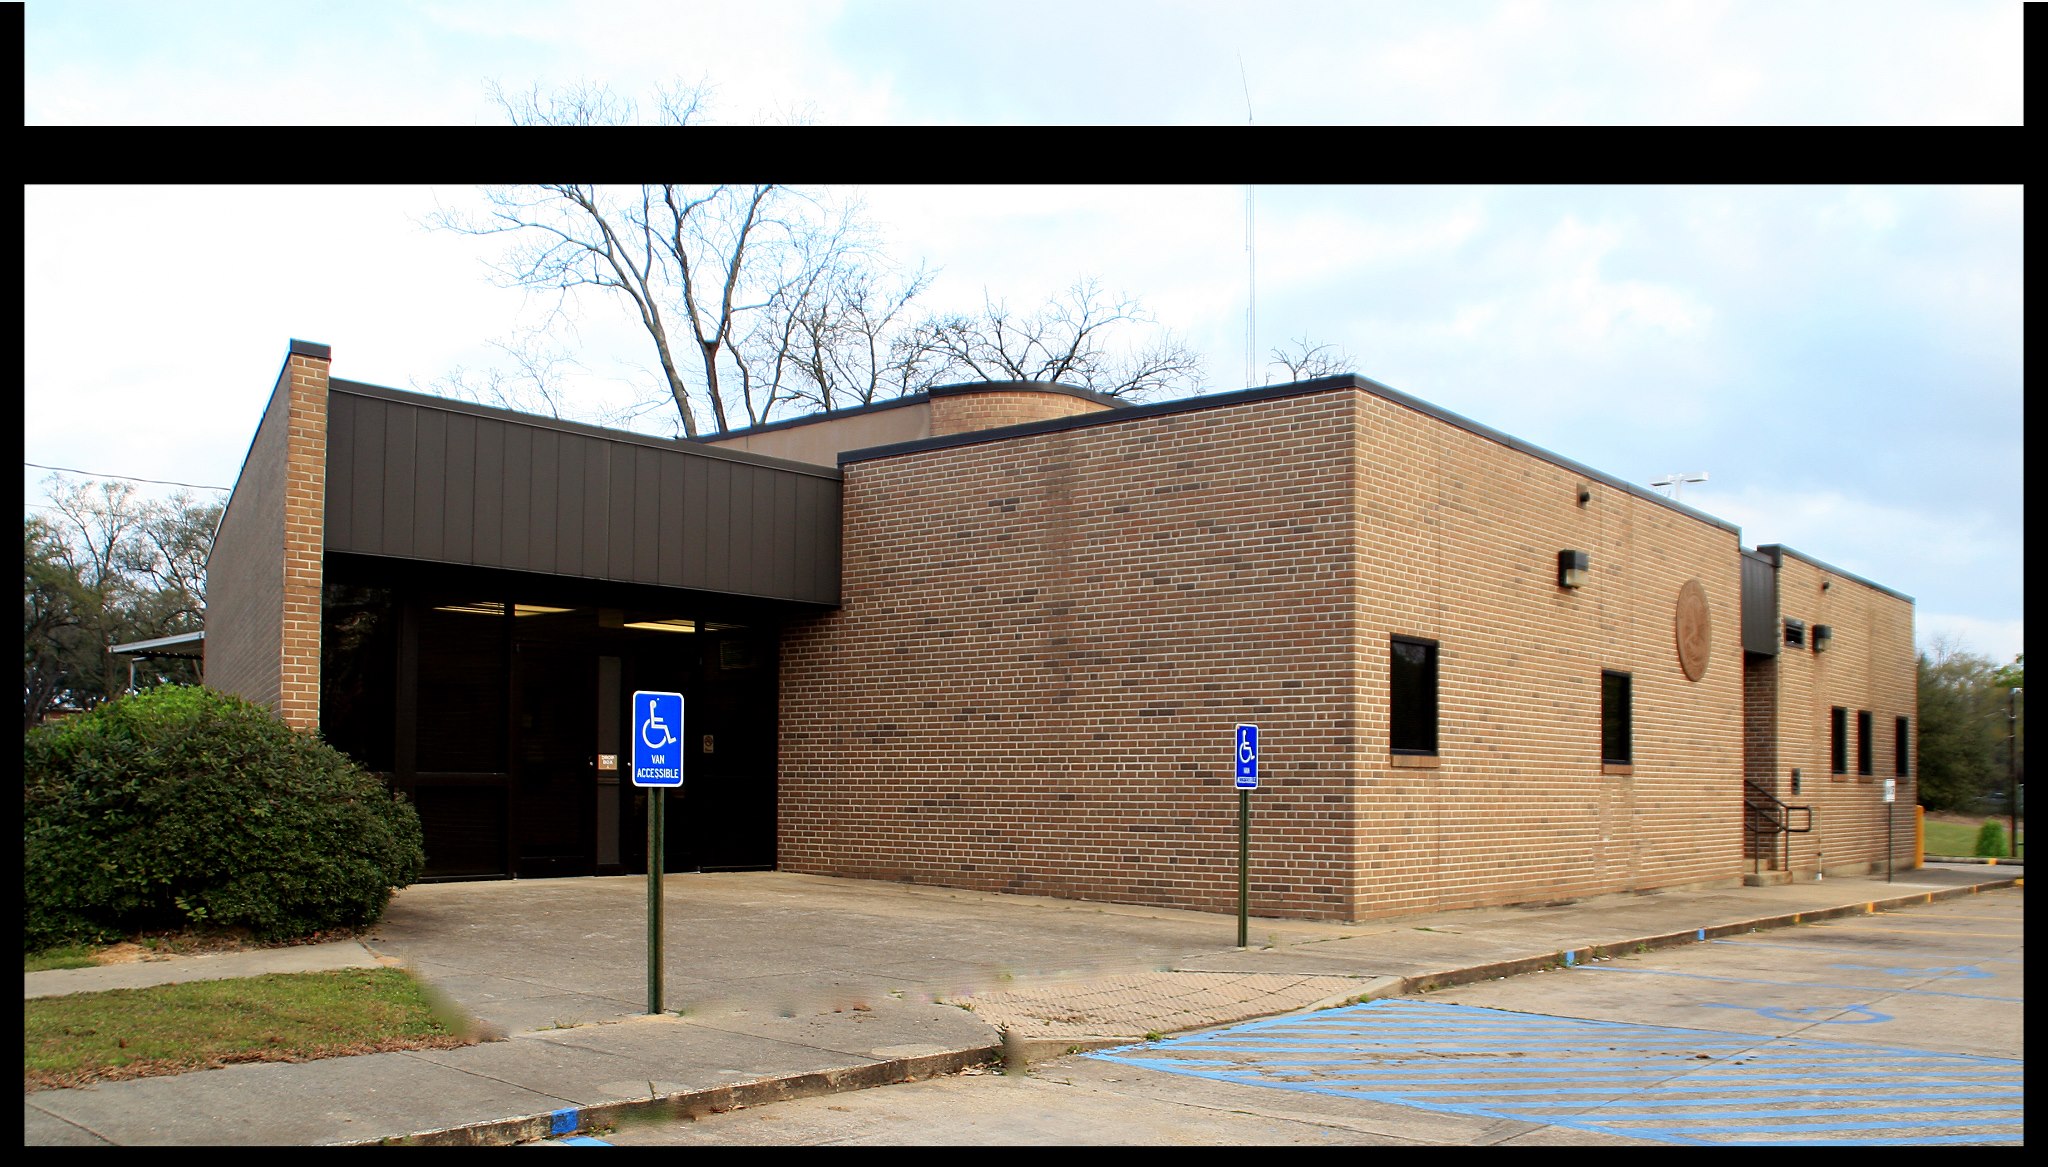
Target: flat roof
x=1776 y=549
x=961 y=389
x=1271 y=393
x=184 y=644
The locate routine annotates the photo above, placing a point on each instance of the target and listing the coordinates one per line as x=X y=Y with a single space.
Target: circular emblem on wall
x=1695 y=630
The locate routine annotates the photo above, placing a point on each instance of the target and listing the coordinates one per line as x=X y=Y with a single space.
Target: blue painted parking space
x=1659 y=1083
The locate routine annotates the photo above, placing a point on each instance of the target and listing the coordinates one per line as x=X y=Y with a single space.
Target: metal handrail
x=1767 y=814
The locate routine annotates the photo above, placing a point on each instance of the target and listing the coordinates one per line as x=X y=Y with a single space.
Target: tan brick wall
x=305 y=522
x=1869 y=665
x=1043 y=646
x=956 y=413
x=1046 y=640
x=1458 y=542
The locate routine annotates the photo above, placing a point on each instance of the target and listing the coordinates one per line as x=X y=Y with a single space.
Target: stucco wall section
x=821 y=442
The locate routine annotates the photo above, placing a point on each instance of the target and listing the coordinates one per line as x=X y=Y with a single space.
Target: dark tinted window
x=1412 y=697
x=1901 y=735
x=359 y=674
x=1863 y=762
x=1838 y=741
x=464 y=686
x=1616 y=737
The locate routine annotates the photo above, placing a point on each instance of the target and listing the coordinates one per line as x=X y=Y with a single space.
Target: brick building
x=998 y=636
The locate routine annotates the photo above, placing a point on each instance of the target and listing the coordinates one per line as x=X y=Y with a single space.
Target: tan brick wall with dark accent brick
x=264 y=576
x=1046 y=640
x=956 y=413
x=1869 y=664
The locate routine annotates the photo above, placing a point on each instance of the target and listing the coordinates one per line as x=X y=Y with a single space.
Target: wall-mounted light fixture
x=1585 y=494
x=1571 y=568
x=1822 y=633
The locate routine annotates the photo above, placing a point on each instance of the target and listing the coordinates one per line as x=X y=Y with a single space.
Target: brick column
x=305 y=518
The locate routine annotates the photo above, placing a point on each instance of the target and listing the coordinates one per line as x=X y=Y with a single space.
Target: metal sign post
x=658 y=764
x=1891 y=794
x=1245 y=751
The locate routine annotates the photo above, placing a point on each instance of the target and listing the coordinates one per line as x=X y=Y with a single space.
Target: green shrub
x=184 y=806
x=1991 y=840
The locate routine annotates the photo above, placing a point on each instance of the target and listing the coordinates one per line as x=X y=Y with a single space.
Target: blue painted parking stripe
x=1888 y=990
x=1836 y=948
x=1903 y=1141
x=1632 y=1085
x=1801 y=1128
x=583 y=1141
x=1706 y=1107
x=1610 y=1114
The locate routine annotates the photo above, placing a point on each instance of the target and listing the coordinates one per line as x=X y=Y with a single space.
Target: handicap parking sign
x=657 y=739
x=1247 y=757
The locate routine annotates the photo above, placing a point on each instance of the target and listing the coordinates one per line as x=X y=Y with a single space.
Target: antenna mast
x=1251 y=307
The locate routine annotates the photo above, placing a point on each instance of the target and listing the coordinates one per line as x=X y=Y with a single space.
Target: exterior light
x=1571 y=569
x=1822 y=633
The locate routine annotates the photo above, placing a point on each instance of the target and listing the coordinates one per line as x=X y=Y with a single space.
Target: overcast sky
x=1845 y=362
x=921 y=62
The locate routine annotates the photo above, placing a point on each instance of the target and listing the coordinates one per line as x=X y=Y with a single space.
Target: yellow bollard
x=1919 y=837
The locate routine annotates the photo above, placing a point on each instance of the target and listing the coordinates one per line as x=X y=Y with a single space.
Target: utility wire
x=123 y=477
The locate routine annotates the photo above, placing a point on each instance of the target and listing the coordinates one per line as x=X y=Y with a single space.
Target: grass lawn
x=1957 y=838
x=169 y=1029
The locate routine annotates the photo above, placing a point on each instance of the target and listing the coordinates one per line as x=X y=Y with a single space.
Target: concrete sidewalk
x=782 y=985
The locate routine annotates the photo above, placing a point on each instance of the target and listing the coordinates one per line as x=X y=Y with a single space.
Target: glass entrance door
x=724 y=816
x=554 y=780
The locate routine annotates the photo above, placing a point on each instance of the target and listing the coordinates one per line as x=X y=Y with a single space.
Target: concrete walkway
x=780 y=986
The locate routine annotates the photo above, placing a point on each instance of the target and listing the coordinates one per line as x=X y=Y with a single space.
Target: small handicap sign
x=657 y=739
x=1247 y=757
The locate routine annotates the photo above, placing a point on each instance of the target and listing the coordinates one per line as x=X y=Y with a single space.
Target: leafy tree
x=1962 y=728
x=104 y=566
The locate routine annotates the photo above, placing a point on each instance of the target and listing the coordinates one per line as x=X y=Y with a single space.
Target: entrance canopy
x=423 y=478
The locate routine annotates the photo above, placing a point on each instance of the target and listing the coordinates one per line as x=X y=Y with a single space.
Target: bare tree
x=533 y=384
x=1304 y=361
x=1069 y=340
x=695 y=263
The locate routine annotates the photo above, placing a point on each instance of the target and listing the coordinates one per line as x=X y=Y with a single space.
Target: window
x=1615 y=718
x=1863 y=741
x=1900 y=736
x=1838 y=741
x=1411 y=697
x=1795 y=633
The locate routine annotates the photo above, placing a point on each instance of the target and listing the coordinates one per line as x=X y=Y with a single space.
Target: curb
x=690 y=1103
x=1566 y=958
x=1018 y=1052
x=1994 y=862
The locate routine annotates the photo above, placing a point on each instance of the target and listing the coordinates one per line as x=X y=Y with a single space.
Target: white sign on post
x=1891 y=789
